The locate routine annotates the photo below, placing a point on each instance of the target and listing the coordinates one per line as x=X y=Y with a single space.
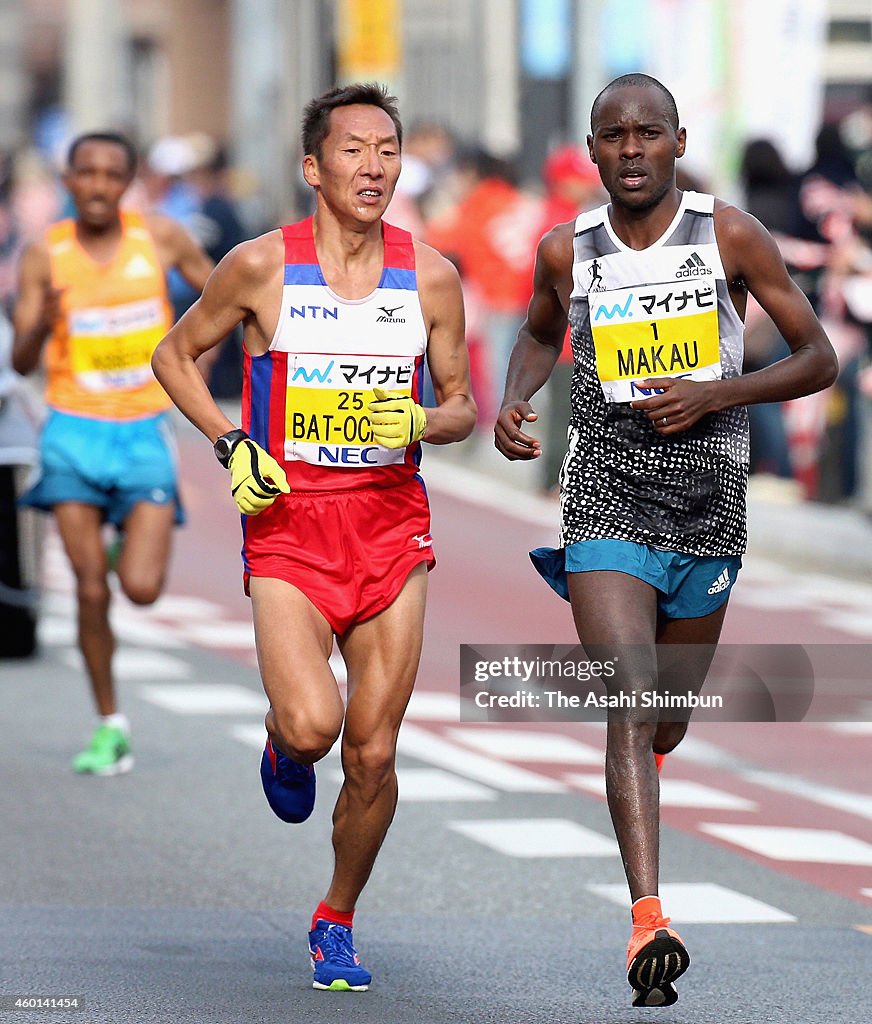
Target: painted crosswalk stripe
x=521 y=745
x=434 y=707
x=537 y=837
x=815 y=845
x=138 y=663
x=220 y=634
x=426 y=785
x=426 y=746
x=702 y=903
x=829 y=796
x=56 y=631
x=206 y=699
x=674 y=793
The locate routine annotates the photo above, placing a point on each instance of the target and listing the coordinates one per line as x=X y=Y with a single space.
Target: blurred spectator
x=168 y=162
x=572 y=185
x=772 y=195
x=829 y=194
x=490 y=232
x=217 y=226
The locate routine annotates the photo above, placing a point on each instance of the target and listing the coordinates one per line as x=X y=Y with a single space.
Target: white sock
x=118 y=721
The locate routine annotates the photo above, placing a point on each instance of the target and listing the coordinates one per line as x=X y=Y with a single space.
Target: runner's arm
x=442 y=303
x=226 y=301
x=179 y=250
x=536 y=350
x=37 y=307
x=751 y=258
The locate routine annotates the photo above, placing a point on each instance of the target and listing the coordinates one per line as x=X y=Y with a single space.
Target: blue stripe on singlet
x=303 y=273
x=403 y=280
x=261 y=384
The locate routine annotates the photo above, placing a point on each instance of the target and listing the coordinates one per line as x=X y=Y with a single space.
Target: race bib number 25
x=327 y=410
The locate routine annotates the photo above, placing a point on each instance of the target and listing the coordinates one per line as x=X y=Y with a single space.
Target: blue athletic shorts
x=113 y=465
x=689 y=586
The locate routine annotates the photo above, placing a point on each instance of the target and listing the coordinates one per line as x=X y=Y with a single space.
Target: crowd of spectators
x=470 y=205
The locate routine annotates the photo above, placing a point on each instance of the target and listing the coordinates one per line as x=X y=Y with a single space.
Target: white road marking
x=56 y=631
x=838 y=799
x=702 y=903
x=537 y=837
x=206 y=699
x=811 y=845
x=220 y=634
x=137 y=663
x=434 y=707
x=419 y=743
x=428 y=785
x=675 y=793
x=521 y=745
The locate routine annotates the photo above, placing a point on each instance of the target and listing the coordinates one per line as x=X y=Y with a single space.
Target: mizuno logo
x=615 y=311
x=721 y=584
x=425 y=540
x=389 y=316
x=693 y=266
x=310 y=375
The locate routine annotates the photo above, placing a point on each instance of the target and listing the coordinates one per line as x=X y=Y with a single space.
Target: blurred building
x=511 y=75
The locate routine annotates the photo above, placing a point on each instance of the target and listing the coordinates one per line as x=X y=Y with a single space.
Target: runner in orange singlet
x=92 y=300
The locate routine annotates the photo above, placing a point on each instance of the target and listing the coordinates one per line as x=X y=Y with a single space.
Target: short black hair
x=114 y=138
x=316 y=115
x=640 y=80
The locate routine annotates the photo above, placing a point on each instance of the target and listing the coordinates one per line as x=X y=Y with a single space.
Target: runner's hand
x=396 y=420
x=250 y=470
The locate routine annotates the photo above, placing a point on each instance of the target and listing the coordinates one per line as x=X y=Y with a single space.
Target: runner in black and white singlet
x=665 y=310
x=654 y=286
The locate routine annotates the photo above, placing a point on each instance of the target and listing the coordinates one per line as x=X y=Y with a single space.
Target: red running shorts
x=349 y=552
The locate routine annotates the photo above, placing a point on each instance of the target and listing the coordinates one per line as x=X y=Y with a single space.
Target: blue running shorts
x=689 y=586
x=110 y=464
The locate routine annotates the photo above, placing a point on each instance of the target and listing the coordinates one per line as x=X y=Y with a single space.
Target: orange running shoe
x=656 y=956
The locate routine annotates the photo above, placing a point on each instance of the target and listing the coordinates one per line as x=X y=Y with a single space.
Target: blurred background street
x=173 y=894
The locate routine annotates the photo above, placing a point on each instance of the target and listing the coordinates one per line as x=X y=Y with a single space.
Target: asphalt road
x=173 y=894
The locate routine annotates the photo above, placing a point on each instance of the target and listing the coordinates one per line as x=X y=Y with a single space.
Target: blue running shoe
x=289 y=787
x=335 y=962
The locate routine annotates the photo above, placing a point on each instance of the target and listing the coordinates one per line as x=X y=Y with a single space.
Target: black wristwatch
x=226 y=444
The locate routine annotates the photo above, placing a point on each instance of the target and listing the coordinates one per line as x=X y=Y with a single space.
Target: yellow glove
x=396 y=420
x=250 y=468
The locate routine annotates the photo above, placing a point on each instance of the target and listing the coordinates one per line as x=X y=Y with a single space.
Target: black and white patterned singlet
x=664 y=311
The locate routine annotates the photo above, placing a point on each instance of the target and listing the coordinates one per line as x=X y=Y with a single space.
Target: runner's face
x=635 y=146
x=96 y=180
x=359 y=164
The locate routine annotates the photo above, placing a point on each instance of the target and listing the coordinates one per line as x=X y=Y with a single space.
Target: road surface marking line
x=521 y=745
x=426 y=785
x=537 y=837
x=808 y=845
x=205 y=699
x=702 y=903
x=424 y=745
x=674 y=793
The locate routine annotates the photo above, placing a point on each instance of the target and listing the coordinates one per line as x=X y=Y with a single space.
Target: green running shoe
x=108 y=754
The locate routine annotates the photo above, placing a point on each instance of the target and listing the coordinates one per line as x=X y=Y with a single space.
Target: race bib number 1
x=327 y=410
x=664 y=330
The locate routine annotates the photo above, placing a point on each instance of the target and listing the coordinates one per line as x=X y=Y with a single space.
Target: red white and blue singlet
x=306 y=399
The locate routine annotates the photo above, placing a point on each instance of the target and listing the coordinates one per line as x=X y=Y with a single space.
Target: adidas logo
x=721 y=583
x=693 y=266
x=138 y=266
